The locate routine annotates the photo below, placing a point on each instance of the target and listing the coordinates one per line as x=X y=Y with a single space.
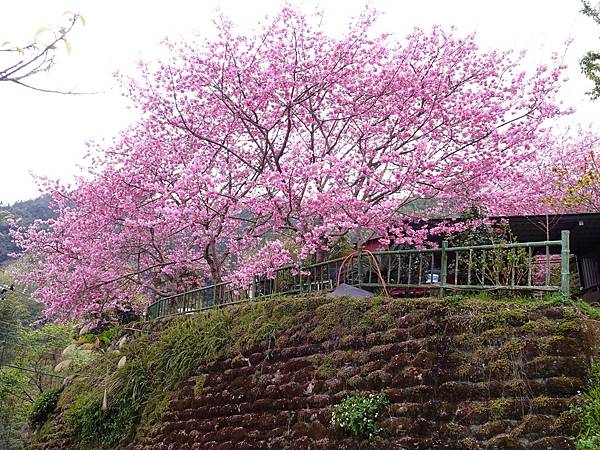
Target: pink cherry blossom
x=255 y=151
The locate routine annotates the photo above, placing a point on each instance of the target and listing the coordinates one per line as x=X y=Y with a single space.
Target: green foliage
x=138 y=392
x=499 y=265
x=453 y=299
x=44 y=406
x=98 y=428
x=377 y=301
x=81 y=401
x=108 y=335
x=87 y=339
x=590 y=443
x=327 y=368
x=358 y=414
x=80 y=359
x=588 y=412
x=13 y=408
x=127 y=393
x=24 y=344
x=590 y=63
x=481 y=235
x=578 y=192
x=103 y=338
x=341 y=248
x=256 y=323
x=590 y=310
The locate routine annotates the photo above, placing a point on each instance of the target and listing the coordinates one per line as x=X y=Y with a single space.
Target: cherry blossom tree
x=574 y=175
x=564 y=177
x=255 y=151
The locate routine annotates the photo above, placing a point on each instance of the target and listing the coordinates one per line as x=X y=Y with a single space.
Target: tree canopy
x=590 y=63
x=259 y=150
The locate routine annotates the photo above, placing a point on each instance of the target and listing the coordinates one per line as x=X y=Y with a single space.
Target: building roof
x=584 y=228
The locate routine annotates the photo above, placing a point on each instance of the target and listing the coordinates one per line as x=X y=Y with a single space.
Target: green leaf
x=67 y=45
x=41 y=30
x=5 y=43
x=82 y=20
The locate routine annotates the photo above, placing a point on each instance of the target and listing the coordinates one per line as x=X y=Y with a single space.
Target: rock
x=62 y=365
x=69 y=349
x=122 y=341
x=534 y=424
x=122 y=362
x=345 y=290
x=85 y=329
x=490 y=429
x=309 y=389
x=553 y=443
x=503 y=441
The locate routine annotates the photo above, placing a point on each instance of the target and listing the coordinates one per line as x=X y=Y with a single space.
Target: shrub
x=98 y=428
x=358 y=414
x=588 y=412
x=137 y=392
x=103 y=338
x=44 y=406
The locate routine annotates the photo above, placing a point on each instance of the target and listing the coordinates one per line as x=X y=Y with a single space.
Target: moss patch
x=199 y=385
x=327 y=368
x=473 y=338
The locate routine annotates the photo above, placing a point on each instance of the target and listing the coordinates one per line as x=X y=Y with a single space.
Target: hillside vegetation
x=464 y=373
x=29 y=350
x=27 y=212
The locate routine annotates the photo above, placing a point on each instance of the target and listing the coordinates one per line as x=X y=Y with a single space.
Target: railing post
x=444 y=267
x=359 y=266
x=564 y=264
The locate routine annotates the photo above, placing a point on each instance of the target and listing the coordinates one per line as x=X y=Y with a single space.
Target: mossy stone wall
x=472 y=375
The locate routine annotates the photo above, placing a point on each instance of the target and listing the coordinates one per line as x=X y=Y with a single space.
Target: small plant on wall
x=359 y=414
x=44 y=406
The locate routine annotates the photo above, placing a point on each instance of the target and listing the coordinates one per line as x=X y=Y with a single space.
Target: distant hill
x=27 y=211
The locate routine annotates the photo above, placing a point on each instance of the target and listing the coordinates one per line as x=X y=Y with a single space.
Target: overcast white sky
x=45 y=133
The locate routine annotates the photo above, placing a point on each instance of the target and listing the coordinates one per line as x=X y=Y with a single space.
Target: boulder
x=345 y=290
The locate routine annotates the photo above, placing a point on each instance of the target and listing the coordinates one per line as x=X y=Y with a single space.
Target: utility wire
x=20 y=340
x=21 y=327
x=18 y=331
x=39 y=372
x=14 y=336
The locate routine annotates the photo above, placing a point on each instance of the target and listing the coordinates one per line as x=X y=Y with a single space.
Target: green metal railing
x=532 y=266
